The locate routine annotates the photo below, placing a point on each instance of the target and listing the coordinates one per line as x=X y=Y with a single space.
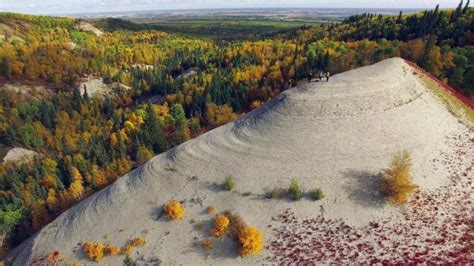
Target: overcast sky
x=79 y=6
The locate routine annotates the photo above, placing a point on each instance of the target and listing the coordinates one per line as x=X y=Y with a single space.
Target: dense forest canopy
x=86 y=142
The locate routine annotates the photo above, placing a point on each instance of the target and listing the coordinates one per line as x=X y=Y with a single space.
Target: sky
x=85 y=6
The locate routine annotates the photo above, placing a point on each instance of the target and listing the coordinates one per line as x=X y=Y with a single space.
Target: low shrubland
x=249 y=240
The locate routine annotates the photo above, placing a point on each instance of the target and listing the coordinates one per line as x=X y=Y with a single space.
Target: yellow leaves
x=53 y=258
x=112 y=250
x=249 y=74
x=76 y=189
x=143 y=155
x=221 y=225
x=133 y=122
x=113 y=140
x=94 y=250
x=250 y=241
x=49 y=166
x=136 y=242
x=174 y=210
x=161 y=110
x=256 y=104
x=219 y=115
x=51 y=199
x=97 y=176
x=397 y=183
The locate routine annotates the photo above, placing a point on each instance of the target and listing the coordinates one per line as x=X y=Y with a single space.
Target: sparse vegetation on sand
x=316 y=194
x=397 y=182
x=295 y=190
x=229 y=183
x=250 y=241
x=174 y=210
x=136 y=242
x=221 y=225
x=129 y=262
x=94 y=250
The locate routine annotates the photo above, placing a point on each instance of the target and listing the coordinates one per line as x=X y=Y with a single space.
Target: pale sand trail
x=336 y=136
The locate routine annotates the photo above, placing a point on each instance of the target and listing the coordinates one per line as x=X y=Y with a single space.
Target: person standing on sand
x=320 y=75
x=310 y=76
x=322 y=210
x=327 y=76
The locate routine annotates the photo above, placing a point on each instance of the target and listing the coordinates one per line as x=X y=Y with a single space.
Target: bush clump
x=129 y=262
x=136 y=242
x=250 y=241
x=94 y=250
x=317 y=194
x=397 y=180
x=112 y=250
x=174 y=210
x=229 y=183
x=221 y=225
x=295 y=190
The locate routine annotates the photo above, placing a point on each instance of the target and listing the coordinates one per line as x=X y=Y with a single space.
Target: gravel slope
x=336 y=135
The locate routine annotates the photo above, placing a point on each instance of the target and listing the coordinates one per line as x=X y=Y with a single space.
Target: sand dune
x=336 y=135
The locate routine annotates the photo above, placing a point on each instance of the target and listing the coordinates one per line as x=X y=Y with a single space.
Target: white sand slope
x=18 y=155
x=336 y=136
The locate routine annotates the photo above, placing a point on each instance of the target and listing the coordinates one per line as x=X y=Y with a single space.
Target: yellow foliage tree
x=76 y=189
x=397 y=182
x=51 y=199
x=250 y=241
x=143 y=155
x=221 y=225
x=174 y=210
x=219 y=115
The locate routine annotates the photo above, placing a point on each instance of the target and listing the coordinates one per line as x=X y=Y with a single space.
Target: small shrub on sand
x=94 y=250
x=207 y=244
x=295 y=190
x=129 y=262
x=237 y=224
x=221 y=225
x=397 y=181
x=250 y=241
x=211 y=209
x=53 y=258
x=229 y=183
x=112 y=250
x=316 y=194
x=174 y=210
x=136 y=242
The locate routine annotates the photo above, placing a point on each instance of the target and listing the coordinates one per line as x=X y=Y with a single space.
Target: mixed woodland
x=86 y=141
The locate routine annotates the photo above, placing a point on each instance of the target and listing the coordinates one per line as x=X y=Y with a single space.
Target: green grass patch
x=455 y=106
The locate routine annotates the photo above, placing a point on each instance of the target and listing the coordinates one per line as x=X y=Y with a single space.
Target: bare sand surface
x=18 y=154
x=337 y=136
